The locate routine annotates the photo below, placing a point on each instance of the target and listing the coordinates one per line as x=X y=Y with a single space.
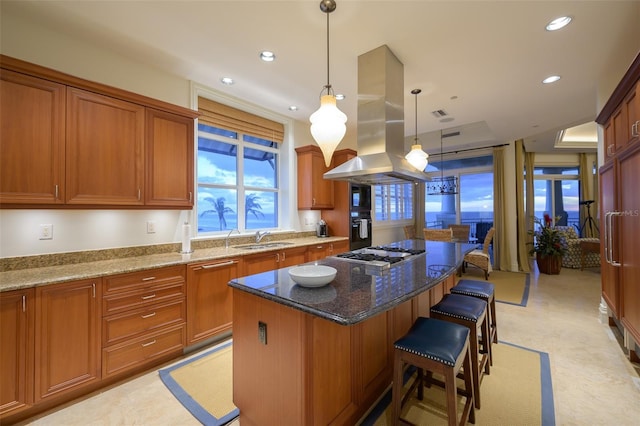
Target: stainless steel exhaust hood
x=380 y=157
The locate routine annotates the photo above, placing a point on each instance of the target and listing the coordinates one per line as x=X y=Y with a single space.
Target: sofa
x=573 y=256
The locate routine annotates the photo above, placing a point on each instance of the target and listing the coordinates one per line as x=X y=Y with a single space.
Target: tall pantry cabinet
x=620 y=205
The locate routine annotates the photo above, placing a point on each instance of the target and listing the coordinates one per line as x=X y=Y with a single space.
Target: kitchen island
x=318 y=356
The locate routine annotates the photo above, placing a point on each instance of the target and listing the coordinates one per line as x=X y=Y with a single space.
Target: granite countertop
x=33 y=277
x=359 y=292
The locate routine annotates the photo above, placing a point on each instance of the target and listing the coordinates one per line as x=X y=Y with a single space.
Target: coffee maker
x=322 y=230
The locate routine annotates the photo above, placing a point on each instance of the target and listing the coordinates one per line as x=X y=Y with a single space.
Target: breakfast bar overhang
x=319 y=356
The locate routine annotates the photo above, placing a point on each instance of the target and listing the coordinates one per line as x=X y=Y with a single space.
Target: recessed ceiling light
x=227 y=80
x=551 y=79
x=293 y=108
x=558 y=23
x=267 y=56
x=340 y=96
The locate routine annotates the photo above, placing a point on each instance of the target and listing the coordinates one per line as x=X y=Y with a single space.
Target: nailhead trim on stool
x=439 y=347
x=482 y=290
x=472 y=313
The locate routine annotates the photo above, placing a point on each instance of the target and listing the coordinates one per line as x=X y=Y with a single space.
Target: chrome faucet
x=226 y=242
x=260 y=235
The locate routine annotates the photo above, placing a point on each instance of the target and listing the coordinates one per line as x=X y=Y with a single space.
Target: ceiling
x=481 y=62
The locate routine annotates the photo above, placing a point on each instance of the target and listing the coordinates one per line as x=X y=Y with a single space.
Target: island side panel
x=267 y=378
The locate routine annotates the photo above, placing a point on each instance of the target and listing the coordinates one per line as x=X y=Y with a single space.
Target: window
x=556 y=191
x=393 y=202
x=237 y=170
x=472 y=205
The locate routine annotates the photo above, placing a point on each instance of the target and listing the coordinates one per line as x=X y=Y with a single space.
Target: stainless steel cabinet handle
x=148 y=297
x=152 y=314
x=284 y=256
x=611 y=214
x=217 y=265
x=138 y=194
x=634 y=129
x=93 y=289
x=57 y=193
x=24 y=303
x=606 y=237
x=277 y=257
x=148 y=278
x=153 y=342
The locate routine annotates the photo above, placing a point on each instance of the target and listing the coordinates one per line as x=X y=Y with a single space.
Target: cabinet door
x=169 y=155
x=632 y=105
x=620 y=128
x=338 y=247
x=317 y=252
x=261 y=262
x=628 y=231
x=292 y=257
x=105 y=150
x=33 y=140
x=314 y=192
x=67 y=337
x=16 y=357
x=209 y=298
x=609 y=273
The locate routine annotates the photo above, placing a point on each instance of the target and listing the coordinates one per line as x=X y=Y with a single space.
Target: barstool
x=483 y=290
x=439 y=347
x=472 y=313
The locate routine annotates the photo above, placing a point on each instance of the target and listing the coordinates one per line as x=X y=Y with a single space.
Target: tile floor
x=593 y=381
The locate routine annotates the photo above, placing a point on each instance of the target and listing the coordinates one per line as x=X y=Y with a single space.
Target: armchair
x=573 y=256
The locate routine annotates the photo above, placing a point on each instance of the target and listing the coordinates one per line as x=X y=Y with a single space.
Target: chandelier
x=442 y=185
x=328 y=122
x=417 y=157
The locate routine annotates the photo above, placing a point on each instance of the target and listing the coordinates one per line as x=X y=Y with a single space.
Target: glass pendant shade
x=417 y=157
x=328 y=126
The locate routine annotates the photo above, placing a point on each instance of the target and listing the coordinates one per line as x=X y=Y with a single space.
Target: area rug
x=204 y=385
x=517 y=392
x=510 y=287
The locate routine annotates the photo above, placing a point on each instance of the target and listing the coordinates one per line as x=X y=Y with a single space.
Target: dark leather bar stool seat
x=483 y=290
x=439 y=347
x=471 y=313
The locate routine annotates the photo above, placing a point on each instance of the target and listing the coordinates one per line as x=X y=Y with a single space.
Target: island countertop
x=359 y=291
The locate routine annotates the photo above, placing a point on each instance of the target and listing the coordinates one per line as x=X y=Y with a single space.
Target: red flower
x=547 y=220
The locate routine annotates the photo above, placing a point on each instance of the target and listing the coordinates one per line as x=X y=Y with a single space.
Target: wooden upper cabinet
x=314 y=192
x=33 y=140
x=631 y=105
x=105 y=150
x=169 y=155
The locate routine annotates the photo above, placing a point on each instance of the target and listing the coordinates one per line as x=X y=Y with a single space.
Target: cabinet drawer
x=131 y=324
x=143 y=297
x=144 y=279
x=136 y=353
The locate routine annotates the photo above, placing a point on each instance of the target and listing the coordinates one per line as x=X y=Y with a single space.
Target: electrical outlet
x=151 y=227
x=46 y=231
x=262 y=332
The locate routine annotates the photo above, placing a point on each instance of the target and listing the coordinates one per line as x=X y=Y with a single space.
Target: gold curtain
x=223 y=116
x=587 y=192
x=501 y=255
x=522 y=221
x=529 y=163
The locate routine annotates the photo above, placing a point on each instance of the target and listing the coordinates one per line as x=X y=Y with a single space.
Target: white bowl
x=312 y=275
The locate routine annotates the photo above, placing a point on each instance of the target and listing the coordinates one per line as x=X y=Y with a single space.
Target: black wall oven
x=360 y=212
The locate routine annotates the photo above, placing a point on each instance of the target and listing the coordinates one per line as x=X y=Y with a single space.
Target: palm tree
x=252 y=206
x=219 y=208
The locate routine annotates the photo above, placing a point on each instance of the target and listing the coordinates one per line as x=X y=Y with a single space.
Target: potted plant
x=548 y=245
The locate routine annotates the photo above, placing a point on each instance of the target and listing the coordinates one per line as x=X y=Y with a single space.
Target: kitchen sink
x=259 y=246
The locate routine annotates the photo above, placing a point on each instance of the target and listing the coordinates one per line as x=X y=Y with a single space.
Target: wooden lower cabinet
x=17 y=313
x=144 y=319
x=272 y=260
x=67 y=337
x=209 y=298
x=311 y=371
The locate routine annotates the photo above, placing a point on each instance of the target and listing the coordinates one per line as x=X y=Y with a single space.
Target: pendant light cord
x=328 y=83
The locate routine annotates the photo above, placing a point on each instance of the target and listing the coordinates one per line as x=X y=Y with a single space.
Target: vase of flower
x=548 y=245
x=549 y=264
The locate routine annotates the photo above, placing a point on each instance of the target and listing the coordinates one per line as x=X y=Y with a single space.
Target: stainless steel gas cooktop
x=380 y=256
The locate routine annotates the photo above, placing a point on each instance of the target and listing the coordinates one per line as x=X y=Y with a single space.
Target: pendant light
x=442 y=185
x=417 y=157
x=328 y=122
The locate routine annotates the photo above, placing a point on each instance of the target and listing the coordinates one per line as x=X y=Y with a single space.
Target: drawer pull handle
x=151 y=296
x=152 y=314
x=153 y=342
x=148 y=278
x=217 y=265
